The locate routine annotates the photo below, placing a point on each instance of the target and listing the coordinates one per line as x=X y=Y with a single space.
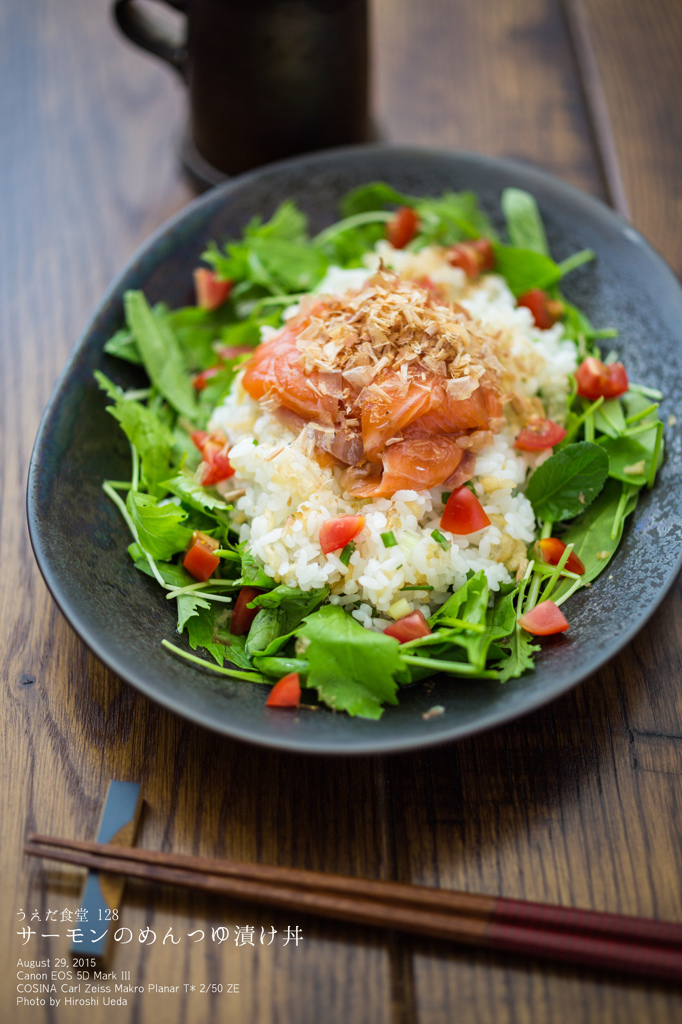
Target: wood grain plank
x=92 y=128
x=579 y=803
x=495 y=77
x=637 y=51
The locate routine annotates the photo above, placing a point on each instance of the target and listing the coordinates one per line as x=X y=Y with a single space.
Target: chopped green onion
x=346 y=553
x=389 y=539
x=408 y=541
x=415 y=587
x=440 y=539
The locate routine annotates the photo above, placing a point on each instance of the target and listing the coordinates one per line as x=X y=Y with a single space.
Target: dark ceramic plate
x=80 y=540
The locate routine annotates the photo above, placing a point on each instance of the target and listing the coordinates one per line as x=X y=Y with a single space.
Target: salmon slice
x=414 y=465
x=458 y=415
x=276 y=367
x=391 y=405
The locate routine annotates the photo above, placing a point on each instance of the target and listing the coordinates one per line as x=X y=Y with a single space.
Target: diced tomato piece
x=198 y=438
x=552 y=549
x=286 y=693
x=410 y=627
x=402 y=227
x=463 y=513
x=546 y=311
x=242 y=616
x=544 y=620
x=464 y=256
x=211 y=290
x=199 y=559
x=202 y=379
x=336 y=533
x=485 y=253
x=472 y=257
x=538 y=434
x=596 y=379
x=215 y=464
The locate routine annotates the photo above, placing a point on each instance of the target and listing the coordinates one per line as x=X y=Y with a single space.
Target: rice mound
x=289 y=494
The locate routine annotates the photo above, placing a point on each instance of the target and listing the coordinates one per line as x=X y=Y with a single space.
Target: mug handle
x=146 y=32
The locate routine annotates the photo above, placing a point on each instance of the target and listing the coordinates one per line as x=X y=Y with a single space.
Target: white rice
x=289 y=495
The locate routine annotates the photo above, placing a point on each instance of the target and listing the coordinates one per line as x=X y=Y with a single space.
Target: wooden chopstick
x=636 y=945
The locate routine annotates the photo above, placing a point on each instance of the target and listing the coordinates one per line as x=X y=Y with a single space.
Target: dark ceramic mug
x=267 y=79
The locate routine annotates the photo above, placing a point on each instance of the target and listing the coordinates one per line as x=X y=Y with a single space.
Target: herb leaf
x=201 y=629
x=568 y=481
x=609 y=418
x=146 y=431
x=520 y=657
x=159 y=528
x=524 y=223
x=627 y=453
x=122 y=345
x=252 y=574
x=160 y=352
x=376 y=195
x=193 y=494
x=591 y=532
x=189 y=605
x=524 y=269
x=352 y=668
x=283 y=610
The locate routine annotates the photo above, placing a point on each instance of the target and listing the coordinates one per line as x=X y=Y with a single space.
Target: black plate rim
x=438 y=736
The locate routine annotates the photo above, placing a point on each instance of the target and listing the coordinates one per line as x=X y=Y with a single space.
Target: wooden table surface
x=578 y=803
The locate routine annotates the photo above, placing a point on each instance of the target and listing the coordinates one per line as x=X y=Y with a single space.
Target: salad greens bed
x=583 y=493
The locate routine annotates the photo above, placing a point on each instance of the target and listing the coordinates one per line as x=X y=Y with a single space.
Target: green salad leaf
x=282 y=611
x=592 y=533
x=159 y=527
x=201 y=628
x=161 y=353
x=568 y=481
x=122 y=345
x=146 y=431
x=252 y=574
x=352 y=668
x=524 y=269
x=376 y=195
x=609 y=418
x=524 y=223
x=275 y=255
x=185 y=487
x=189 y=605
